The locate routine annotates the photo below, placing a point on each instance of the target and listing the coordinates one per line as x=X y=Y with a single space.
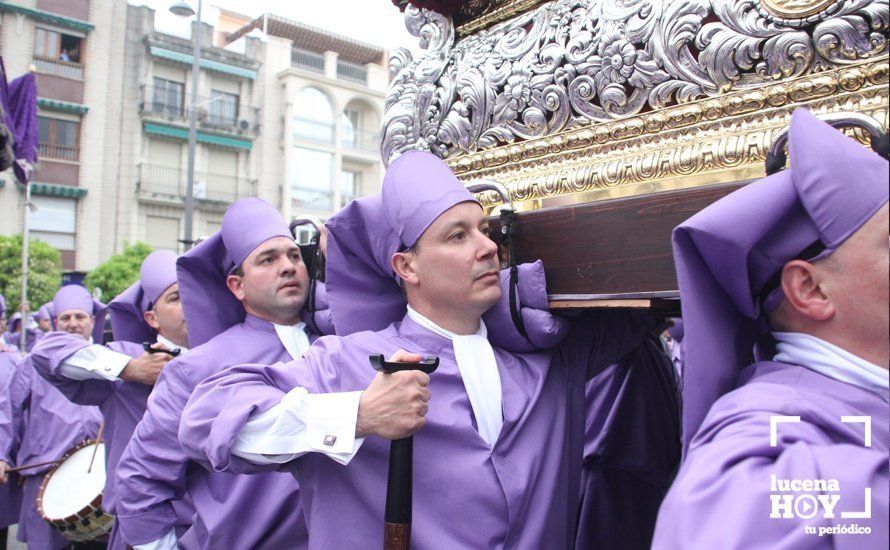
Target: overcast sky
x=375 y=21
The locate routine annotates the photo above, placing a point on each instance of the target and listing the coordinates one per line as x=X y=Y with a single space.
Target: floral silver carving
x=571 y=63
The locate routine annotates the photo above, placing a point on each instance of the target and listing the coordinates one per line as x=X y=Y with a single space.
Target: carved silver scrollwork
x=575 y=62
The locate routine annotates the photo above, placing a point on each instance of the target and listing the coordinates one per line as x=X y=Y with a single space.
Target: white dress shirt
x=832 y=361
x=96 y=362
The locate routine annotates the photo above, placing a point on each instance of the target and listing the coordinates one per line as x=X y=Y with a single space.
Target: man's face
x=275 y=281
x=76 y=321
x=456 y=263
x=44 y=324
x=166 y=316
x=857 y=281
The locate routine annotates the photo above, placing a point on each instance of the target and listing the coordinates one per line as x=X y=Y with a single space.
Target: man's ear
x=403 y=265
x=802 y=286
x=151 y=318
x=235 y=284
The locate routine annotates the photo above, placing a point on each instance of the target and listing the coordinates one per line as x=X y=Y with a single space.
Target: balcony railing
x=304 y=59
x=352 y=72
x=165 y=182
x=360 y=139
x=58 y=152
x=213 y=112
x=57 y=67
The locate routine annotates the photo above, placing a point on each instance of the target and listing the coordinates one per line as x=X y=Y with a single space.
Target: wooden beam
x=614 y=250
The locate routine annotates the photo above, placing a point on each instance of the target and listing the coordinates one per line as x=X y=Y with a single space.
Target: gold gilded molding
x=709 y=141
x=510 y=9
x=796 y=9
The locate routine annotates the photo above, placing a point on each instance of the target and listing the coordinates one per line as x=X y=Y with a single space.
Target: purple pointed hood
x=77 y=297
x=157 y=274
x=363 y=290
x=727 y=256
x=209 y=307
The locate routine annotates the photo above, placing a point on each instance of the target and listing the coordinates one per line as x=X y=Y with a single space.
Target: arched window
x=313 y=116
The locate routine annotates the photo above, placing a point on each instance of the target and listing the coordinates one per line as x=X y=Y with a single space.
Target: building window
x=350 y=124
x=223 y=109
x=162 y=233
x=59 y=139
x=350 y=183
x=54 y=222
x=311 y=181
x=58 y=46
x=167 y=97
x=313 y=116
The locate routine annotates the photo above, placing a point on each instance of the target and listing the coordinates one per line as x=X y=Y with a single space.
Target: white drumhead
x=71 y=488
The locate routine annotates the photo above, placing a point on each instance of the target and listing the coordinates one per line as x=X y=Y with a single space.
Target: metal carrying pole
x=23 y=305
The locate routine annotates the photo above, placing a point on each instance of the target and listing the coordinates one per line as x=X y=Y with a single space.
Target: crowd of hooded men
x=257 y=421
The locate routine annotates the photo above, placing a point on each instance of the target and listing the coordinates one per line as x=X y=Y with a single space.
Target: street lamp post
x=182 y=9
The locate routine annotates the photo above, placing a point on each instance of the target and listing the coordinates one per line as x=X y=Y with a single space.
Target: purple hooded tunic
x=53 y=425
x=122 y=403
x=231 y=511
x=522 y=493
x=10 y=435
x=732 y=471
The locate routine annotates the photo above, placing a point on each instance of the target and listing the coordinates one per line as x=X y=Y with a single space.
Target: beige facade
x=323 y=101
x=79 y=80
x=155 y=110
x=286 y=112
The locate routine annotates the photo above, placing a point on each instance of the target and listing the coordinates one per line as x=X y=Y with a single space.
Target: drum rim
x=95 y=503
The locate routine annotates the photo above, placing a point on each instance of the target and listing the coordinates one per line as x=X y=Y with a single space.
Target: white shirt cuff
x=299 y=424
x=94 y=362
x=167 y=542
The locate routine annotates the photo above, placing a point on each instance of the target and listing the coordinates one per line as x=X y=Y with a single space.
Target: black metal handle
x=427 y=365
x=173 y=352
x=397 y=515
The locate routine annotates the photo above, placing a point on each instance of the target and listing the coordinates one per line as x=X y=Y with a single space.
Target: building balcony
x=361 y=140
x=162 y=182
x=58 y=152
x=352 y=72
x=57 y=67
x=214 y=114
x=306 y=60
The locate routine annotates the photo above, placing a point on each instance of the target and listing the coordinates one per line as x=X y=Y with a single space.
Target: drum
x=70 y=497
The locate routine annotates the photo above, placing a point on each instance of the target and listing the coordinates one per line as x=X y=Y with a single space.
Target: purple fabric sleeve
x=721 y=495
x=545 y=330
x=49 y=354
x=221 y=405
x=8 y=424
x=151 y=473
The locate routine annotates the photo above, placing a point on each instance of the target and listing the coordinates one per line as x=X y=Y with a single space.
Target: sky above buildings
x=375 y=21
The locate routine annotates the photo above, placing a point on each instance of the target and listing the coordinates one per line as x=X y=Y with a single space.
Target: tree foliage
x=119 y=271
x=44 y=271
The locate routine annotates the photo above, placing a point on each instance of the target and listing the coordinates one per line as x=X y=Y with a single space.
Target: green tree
x=119 y=271
x=44 y=272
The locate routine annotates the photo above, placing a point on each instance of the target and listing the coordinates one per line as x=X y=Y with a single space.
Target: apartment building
x=66 y=43
x=155 y=115
x=323 y=101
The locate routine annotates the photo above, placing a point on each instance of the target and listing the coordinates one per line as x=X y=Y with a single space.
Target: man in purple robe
x=788 y=449
x=498 y=459
x=10 y=435
x=15 y=326
x=119 y=377
x=45 y=318
x=52 y=424
x=243 y=290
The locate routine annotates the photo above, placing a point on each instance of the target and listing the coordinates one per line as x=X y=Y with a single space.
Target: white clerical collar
x=831 y=361
x=293 y=338
x=170 y=345
x=479 y=371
